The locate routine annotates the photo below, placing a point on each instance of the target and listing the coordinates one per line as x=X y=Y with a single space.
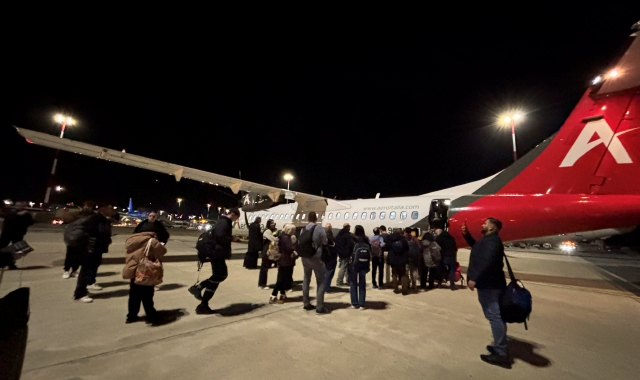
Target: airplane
x=582 y=181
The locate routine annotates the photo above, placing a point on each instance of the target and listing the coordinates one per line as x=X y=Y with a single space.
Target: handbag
x=18 y=249
x=149 y=273
x=272 y=252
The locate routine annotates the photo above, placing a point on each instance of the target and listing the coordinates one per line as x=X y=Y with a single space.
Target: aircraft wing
x=178 y=171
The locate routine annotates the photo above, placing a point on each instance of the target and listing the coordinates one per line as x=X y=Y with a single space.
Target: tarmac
x=584 y=323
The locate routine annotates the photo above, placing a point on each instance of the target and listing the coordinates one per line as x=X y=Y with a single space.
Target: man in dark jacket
x=448 y=250
x=254 y=246
x=385 y=252
x=344 y=247
x=487 y=275
x=152 y=224
x=14 y=228
x=221 y=242
x=397 y=258
x=72 y=259
x=330 y=259
x=98 y=228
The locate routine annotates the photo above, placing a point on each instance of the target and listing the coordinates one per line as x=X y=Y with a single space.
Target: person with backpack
x=449 y=251
x=312 y=238
x=377 y=258
x=359 y=261
x=287 y=247
x=413 y=257
x=220 y=251
x=344 y=247
x=486 y=274
x=270 y=236
x=98 y=230
x=75 y=243
x=397 y=258
x=430 y=259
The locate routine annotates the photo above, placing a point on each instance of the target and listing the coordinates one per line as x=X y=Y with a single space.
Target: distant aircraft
x=583 y=181
x=134 y=214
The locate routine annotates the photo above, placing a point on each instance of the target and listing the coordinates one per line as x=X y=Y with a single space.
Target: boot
x=405 y=285
x=204 y=308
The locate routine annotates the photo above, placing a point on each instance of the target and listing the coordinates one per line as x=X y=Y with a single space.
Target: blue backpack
x=361 y=257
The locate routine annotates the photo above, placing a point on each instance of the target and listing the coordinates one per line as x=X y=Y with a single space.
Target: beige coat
x=135 y=246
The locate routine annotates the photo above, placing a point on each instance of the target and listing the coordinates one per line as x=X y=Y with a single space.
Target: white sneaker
x=85 y=299
x=156 y=288
x=66 y=274
x=264 y=287
x=94 y=287
x=74 y=274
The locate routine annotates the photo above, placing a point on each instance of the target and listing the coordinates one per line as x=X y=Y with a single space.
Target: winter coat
x=222 y=236
x=98 y=229
x=157 y=227
x=344 y=244
x=286 y=246
x=255 y=237
x=448 y=245
x=135 y=247
x=398 y=249
x=486 y=267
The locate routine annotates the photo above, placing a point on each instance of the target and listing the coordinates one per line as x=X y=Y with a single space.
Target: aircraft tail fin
x=597 y=149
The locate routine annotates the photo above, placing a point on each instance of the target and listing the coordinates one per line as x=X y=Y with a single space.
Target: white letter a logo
x=605 y=136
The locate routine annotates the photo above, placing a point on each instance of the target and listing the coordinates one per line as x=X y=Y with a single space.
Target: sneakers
x=94 y=287
x=362 y=308
x=309 y=307
x=74 y=274
x=282 y=297
x=355 y=306
x=273 y=300
x=324 y=310
x=85 y=299
x=263 y=287
x=500 y=361
x=203 y=309
x=197 y=292
x=66 y=274
x=156 y=288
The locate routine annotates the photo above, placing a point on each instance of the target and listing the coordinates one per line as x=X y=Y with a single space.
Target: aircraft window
x=392 y=215
x=330 y=215
x=414 y=215
x=322 y=217
x=291 y=216
x=271 y=217
x=373 y=215
x=382 y=215
x=303 y=216
x=282 y=216
x=355 y=215
x=403 y=215
x=346 y=215
x=297 y=216
x=338 y=216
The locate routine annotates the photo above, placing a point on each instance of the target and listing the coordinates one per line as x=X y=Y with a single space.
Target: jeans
x=331 y=270
x=138 y=294
x=377 y=264
x=342 y=271
x=358 y=287
x=315 y=264
x=490 y=302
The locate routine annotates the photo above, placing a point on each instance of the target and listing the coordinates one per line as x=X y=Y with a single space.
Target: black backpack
x=75 y=233
x=516 y=302
x=305 y=243
x=361 y=257
x=205 y=247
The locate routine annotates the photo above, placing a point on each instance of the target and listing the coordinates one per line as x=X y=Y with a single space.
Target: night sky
x=350 y=108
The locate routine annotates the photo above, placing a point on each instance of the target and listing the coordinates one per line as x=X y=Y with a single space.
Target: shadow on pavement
x=376 y=305
x=113 y=294
x=169 y=316
x=33 y=267
x=335 y=289
x=337 y=305
x=111 y=284
x=523 y=350
x=171 y=286
x=237 y=309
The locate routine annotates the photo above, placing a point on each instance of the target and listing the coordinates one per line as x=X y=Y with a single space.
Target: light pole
x=179 y=201
x=510 y=119
x=208 y=208
x=288 y=177
x=63 y=121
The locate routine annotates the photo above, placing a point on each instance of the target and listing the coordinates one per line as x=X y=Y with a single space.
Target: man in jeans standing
x=314 y=263
x=487 y=275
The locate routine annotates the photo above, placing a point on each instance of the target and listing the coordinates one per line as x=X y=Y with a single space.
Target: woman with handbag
x=286 y=262
x=144 y=268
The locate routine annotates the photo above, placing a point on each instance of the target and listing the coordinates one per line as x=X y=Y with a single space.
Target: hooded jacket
x=135 y=247
x=157 y=227
x=398 y=249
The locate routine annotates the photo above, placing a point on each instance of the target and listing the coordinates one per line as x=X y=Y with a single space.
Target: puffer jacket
x=135 y=246
x=398 y=249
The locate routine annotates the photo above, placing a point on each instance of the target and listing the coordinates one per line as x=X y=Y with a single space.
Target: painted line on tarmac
x=620 y=278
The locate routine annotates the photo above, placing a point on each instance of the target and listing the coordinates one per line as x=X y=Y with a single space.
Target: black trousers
x=219 y=273
x=285 y=280
x=377 y=266
x=141 y=294
x=72 y=258
x=7 y=259
x=87 y=275
x=430 y=273
x=264 y=269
